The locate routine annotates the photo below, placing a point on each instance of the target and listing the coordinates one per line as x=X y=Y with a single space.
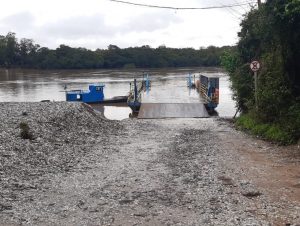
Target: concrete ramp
x=172 y=110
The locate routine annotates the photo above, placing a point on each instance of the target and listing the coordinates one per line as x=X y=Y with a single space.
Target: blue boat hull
x=135 y=106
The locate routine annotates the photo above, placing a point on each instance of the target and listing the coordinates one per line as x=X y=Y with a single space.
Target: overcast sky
x=97 y=23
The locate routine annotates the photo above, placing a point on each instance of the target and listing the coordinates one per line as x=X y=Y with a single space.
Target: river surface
x=167 y=86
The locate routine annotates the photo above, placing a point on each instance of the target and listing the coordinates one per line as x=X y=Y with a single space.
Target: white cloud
x=98 y=23
x=21 y=22
x=77 y=27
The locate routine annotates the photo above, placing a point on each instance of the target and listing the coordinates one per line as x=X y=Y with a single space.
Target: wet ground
x=83 y=170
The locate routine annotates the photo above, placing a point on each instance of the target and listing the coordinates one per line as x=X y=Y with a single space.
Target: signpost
x=255 y=66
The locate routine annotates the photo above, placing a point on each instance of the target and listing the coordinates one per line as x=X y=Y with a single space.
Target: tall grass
x=271 y=132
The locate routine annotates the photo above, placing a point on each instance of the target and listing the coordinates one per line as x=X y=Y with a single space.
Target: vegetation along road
x=63 y=164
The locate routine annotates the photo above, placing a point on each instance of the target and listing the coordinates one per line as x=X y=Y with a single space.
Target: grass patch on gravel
x=271 y=132
x=25 y=131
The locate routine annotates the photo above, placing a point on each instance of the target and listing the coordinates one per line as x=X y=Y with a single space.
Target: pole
x=255 y=89
x=135 y=91
x=258 y=3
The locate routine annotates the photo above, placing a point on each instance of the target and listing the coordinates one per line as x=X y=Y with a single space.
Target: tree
x=27 y=51
x=2 y=50
x=271 y=35
x=11 y=50
x=30 y=55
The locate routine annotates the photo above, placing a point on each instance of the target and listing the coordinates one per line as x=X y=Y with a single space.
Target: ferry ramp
x=171 y=99
x=172 y=110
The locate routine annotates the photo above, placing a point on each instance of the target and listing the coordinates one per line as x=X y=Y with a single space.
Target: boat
x=208 y=88
x=93 y=95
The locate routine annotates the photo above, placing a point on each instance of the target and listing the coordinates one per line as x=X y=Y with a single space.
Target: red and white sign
x=255 y=66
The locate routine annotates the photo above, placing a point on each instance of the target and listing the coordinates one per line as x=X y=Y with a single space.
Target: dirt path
x=169 y=172
x=274 y=170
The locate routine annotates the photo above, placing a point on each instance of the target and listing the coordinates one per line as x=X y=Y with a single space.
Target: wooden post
x=255 y=90
x=255 y=66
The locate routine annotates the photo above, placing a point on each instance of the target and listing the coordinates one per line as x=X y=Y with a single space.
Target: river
x=168 y=85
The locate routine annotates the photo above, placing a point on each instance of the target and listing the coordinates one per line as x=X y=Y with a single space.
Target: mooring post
x=190 y=80
x=135 y=91
x=147 y=81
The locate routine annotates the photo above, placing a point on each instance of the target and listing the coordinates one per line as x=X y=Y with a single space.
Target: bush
x=25 y=131
x=129 y=66
x=272 y=132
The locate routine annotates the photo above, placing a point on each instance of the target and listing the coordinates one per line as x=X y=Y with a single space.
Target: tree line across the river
x=24 y=53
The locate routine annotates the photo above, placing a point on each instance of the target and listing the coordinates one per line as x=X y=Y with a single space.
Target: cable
x=232 y=11
x=180 y=8
x=240 y=6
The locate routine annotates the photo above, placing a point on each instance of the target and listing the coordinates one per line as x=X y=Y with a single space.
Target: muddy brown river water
x=168 y=85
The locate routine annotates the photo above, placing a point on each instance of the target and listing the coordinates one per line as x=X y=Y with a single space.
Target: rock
x=4 y=207
x=226 y=180
x=142 y=214
x=251 y=194
x=126 y=201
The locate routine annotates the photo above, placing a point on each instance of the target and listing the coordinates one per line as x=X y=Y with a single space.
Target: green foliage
x=271 y=35
x=25 y=131
x=229 y=60
x=271 y=132
x=26 y=54
x=129 y=66
x=292 y=120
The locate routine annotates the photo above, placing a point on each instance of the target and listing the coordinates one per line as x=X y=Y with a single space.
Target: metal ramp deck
x=172 y=110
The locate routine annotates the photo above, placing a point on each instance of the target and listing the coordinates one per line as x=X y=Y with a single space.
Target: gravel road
x=81 y=169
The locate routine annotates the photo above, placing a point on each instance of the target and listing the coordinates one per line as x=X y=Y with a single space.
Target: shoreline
x=82 y=169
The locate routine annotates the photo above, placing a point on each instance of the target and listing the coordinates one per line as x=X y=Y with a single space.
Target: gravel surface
x=81 y=169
